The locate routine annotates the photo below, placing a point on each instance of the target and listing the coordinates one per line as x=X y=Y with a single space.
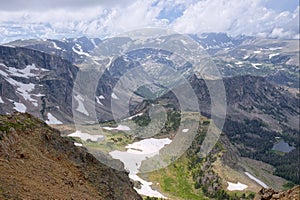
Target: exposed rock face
x=253 y=97
x=37 y=163
x=43 y=83
x=270 y=194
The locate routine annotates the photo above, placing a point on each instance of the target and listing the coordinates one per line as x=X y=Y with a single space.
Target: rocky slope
x=37 y=163
x=270 y=194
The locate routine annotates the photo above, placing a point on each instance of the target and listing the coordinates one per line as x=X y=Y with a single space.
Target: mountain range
x=260 y=77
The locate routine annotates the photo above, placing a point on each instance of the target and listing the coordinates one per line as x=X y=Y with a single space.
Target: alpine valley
x=258 y=147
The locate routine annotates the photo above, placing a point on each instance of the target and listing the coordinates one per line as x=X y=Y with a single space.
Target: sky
x=21 y=19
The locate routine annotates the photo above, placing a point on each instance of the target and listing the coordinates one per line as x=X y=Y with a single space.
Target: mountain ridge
x=36 y=162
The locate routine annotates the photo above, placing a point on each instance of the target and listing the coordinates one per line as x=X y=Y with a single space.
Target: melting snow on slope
x=26 y=72
x=119 y=127
x=20 y=107
x=98 y=101
x=236 y=186
x=77 y=144
x=133 y=116
x=55 y=46
x=52 y=119
x=22 y=88
x=80 y=107
x=114 y=96
x=80 y=51
x=1 y=101
x=133 y=157
x=275 y=48
x=272 y=55
x=246 y=57
x=256 y=180
x=86 y=136
x=255 y=65
x=239 y=63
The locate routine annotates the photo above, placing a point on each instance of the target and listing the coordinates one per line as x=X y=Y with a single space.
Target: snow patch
x=133 y=157
x=52 y=119
x=256 y=180
x=257 y=52
x=1 y=101
x=255 y=65
x=239 y=63
x=119 y=127
x=7 y=45
x=229 y=65
x=86 y=136
x=20 y=107
x=272 y=55
x=80 y=107
x=185 y=130
x=147 y=146
x=236 y=186
x=55 y=46
x=114 y=96
x=246 y=57
x=275 y=48
x=26 y=72
x=80 y=51
x=146 y=187
x=77 y=144
x=111 y=59
x=133 y=116
x=183 y=42
x=98 y=101
x=23 y=89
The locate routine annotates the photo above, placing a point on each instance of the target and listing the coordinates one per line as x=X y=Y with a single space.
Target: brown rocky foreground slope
x=37 y=163
x=270 y=194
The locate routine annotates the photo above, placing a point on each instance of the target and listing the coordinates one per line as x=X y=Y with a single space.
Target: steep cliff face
x=37 y=163
x=36 y=82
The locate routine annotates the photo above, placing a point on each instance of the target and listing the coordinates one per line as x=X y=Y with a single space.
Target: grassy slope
x=176 y=181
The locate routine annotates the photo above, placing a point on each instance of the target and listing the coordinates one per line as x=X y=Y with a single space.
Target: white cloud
x=40 y=5
x=248 y=17
x=66 y=18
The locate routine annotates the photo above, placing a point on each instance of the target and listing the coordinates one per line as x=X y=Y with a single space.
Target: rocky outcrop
x=270 y=194
x=37 y=163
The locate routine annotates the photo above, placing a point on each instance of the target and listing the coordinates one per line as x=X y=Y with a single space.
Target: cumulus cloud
x=248 y=17
x=70 y=18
